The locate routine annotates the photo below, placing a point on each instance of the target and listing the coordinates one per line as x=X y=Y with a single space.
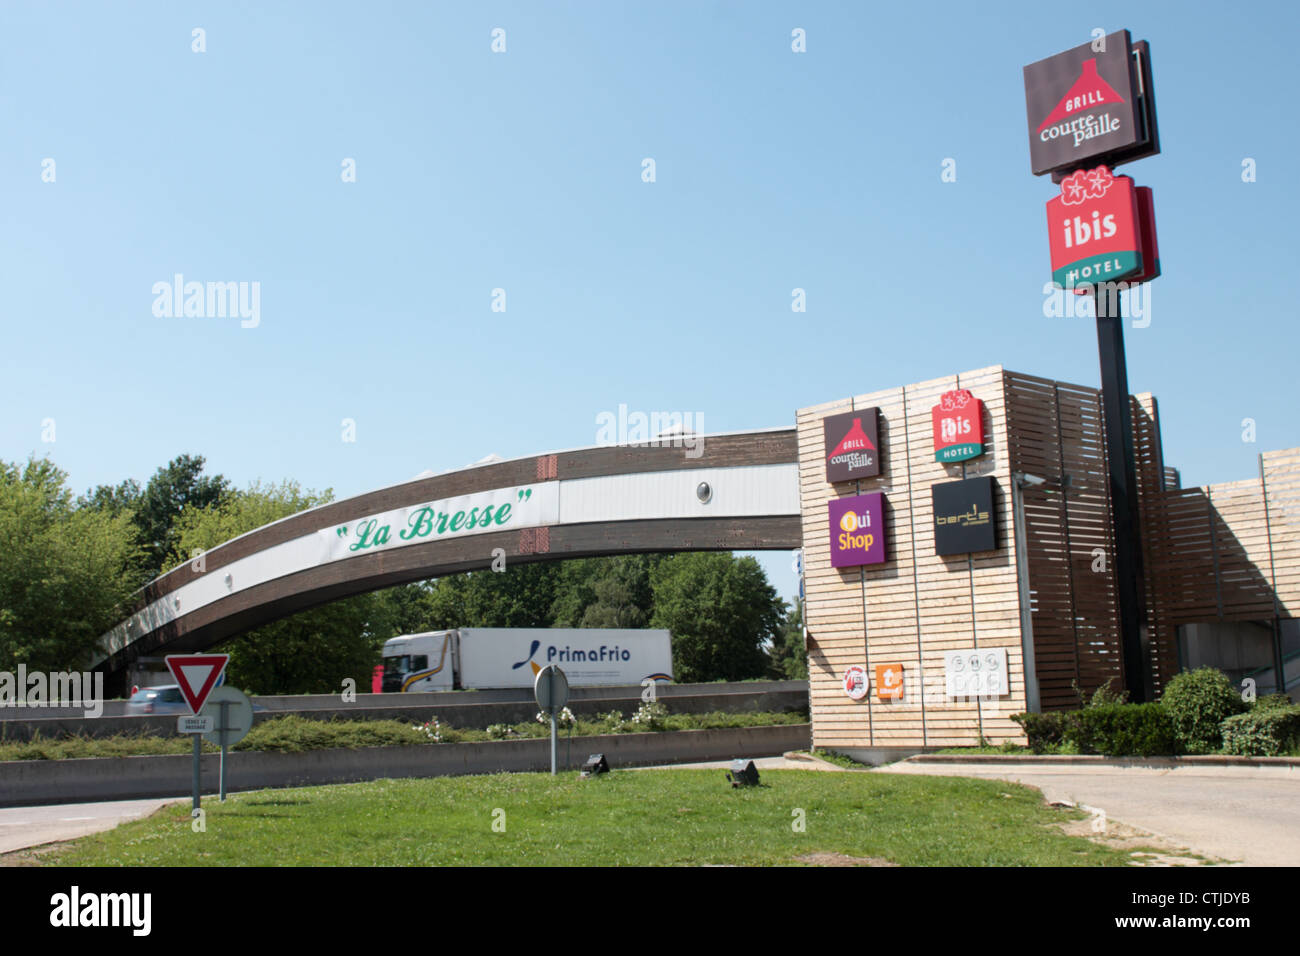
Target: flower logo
x=1083 y=185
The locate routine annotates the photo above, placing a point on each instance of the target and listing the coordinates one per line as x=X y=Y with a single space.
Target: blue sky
x=522 y=171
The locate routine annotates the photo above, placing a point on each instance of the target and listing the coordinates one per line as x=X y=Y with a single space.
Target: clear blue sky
x=522 y=171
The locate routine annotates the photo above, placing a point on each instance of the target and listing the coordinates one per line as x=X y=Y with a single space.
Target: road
x=1245 y=814
x=22 y=827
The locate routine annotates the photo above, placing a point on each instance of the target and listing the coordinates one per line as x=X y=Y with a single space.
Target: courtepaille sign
x=852 y=445
x=1081 y=104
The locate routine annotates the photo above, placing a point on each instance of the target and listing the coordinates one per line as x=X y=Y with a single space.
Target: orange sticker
x=889 y=681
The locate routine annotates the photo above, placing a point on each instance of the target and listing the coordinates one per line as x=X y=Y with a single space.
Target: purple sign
x=858 y=530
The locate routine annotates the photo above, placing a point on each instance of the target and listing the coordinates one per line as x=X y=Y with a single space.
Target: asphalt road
x=22 y=827
x=1240 y=814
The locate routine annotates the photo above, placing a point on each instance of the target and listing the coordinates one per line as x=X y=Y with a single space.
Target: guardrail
x=29 y=782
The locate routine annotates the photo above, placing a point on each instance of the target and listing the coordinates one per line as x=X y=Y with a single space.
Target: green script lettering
x=457 y=520
x=421 y=523
x=503 y=513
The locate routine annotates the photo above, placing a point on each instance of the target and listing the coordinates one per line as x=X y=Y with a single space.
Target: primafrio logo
x=852 y=445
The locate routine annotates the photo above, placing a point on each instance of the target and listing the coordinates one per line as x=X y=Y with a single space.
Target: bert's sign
x=1094 y=230
x=958 y=422
x=857 y=530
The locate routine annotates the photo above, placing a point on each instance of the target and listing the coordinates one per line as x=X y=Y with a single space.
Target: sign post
x=1090 y=108
x=551 y=688
x=234 y=719
x=196 y=675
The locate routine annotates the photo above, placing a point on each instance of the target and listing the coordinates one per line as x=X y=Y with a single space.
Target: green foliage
x=789 y=656
x=720 y=610
x=1198 y=702
x=295 y=734
x=1123 y=730
x=66 y=570
x=1267 y=731
x=519 y=596
x=1269 y=701
x=1044 y=731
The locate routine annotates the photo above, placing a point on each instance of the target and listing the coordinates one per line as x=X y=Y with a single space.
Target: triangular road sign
x=196 y=674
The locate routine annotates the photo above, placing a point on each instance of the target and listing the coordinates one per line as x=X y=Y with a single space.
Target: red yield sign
x=196 y=675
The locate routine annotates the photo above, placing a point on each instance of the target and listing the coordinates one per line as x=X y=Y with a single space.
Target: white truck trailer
x=490 y=657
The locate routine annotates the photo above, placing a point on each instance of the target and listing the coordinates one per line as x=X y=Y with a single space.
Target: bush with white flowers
x=564 y=718
x=431 y=729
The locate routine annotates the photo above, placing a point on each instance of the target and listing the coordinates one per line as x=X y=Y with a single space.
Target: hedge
x=1123 y=730
x=1268 y=731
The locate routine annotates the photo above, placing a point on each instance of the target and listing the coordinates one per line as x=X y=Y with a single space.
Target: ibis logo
x=1094 y=230
x=958 y=422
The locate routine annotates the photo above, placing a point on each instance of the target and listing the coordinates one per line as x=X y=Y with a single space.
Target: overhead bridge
x=737 y=491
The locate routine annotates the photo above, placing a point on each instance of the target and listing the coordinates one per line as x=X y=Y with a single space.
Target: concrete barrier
x=468 y=709
x=29 y=782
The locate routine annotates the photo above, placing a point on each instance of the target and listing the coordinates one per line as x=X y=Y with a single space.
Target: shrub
x=1273 y=700
x=1198 y=702
x=650 y=716
x=1123 y=730
x=1267 y=731
x=1045 y=731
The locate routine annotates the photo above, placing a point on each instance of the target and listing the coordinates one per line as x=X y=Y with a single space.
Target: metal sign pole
x=1118 y=419
x=196 y=737
x=551 y=680
x=224 y=730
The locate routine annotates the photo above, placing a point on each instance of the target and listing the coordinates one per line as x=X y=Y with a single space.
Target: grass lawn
x=643 y=817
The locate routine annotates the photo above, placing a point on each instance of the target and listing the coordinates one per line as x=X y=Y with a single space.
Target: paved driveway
x=31 y=826
x=1245 y=814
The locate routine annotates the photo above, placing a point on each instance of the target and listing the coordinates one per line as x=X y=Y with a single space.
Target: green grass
x=295 y=734
x=646 y=817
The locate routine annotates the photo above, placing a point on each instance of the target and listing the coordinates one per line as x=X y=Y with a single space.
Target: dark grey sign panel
x=852 y=445
x=964 y=519
x=1082 y=105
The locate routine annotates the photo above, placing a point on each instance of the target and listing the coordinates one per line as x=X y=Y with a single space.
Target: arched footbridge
x=593 y=501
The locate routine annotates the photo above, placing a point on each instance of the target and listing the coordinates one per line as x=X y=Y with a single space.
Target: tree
x=606 y=592
x=66 y=573
x=174 y=488
x=312 y=651
x=720 y=609
x=789 y=656
x=520 y=596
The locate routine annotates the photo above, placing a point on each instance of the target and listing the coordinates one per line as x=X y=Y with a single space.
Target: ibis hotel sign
x=958 y=422
x=857 y=526
x=852 y=445
x=1094 y=230
x=1081 y=104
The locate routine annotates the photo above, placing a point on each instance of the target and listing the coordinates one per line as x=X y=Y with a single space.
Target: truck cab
x=419 y=663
